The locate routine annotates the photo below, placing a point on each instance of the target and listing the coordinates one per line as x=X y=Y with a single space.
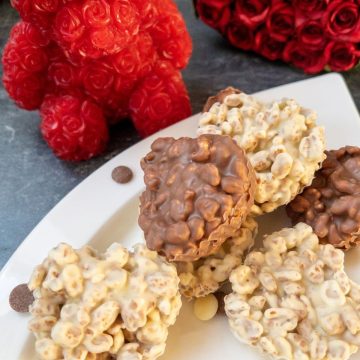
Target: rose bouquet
x=310 y=34
x=86 y=64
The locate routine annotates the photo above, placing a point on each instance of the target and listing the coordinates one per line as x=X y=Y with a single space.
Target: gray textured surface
x=32 y=180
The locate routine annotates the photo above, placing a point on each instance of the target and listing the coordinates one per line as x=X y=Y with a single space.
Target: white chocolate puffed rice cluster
x=118 y=305
x=281 y=139
x=205 y=276
x=293 y=300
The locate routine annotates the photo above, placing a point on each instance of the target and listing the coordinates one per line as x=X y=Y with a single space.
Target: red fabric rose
x=63 y=74
x=24 y=32
x=137 y=59
x=267 y=46
x=280 y=21
x=33 y=59
x=46 y=6
x=96 y=13
x=240 y=35
x=21 y=53
x=147 y=11
x=103 y=38
x=116 y=104
x=311 y=8
x=68 y=25
x=342 y=20
x=252 y=13
x=342 y=55
x=97 y=78
x=171 y=40
x=160 y=100
x=38 y=12
x=311 y=61
x=311 y=34
x=125 y=16
x=215 y=13
x=27 y=90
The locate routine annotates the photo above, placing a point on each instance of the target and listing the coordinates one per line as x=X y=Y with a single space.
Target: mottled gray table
x=32 y=180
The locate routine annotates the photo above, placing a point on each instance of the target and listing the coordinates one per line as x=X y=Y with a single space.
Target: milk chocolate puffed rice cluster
x=117 y=305
x=281 y=140
x=198 y=193
x=293 y=300
x=331 y=204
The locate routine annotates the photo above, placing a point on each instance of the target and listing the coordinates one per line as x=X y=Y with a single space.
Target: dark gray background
x=32 y=180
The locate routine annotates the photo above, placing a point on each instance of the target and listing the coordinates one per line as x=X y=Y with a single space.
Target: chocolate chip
x=122 y=174
x=21 y=298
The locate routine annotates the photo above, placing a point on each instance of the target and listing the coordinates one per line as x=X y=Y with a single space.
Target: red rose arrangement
x=311 y=34
x=86 y=64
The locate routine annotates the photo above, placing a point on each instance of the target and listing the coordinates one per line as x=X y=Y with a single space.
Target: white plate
x=99 y=211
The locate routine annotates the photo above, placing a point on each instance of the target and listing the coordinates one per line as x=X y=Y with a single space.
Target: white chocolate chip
x=205 y=308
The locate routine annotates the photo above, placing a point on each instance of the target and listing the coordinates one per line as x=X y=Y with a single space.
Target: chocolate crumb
x=122 y=174
x=220 y=298
x=21 y=298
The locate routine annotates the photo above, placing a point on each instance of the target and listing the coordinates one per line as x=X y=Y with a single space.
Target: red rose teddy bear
x=89 y=63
